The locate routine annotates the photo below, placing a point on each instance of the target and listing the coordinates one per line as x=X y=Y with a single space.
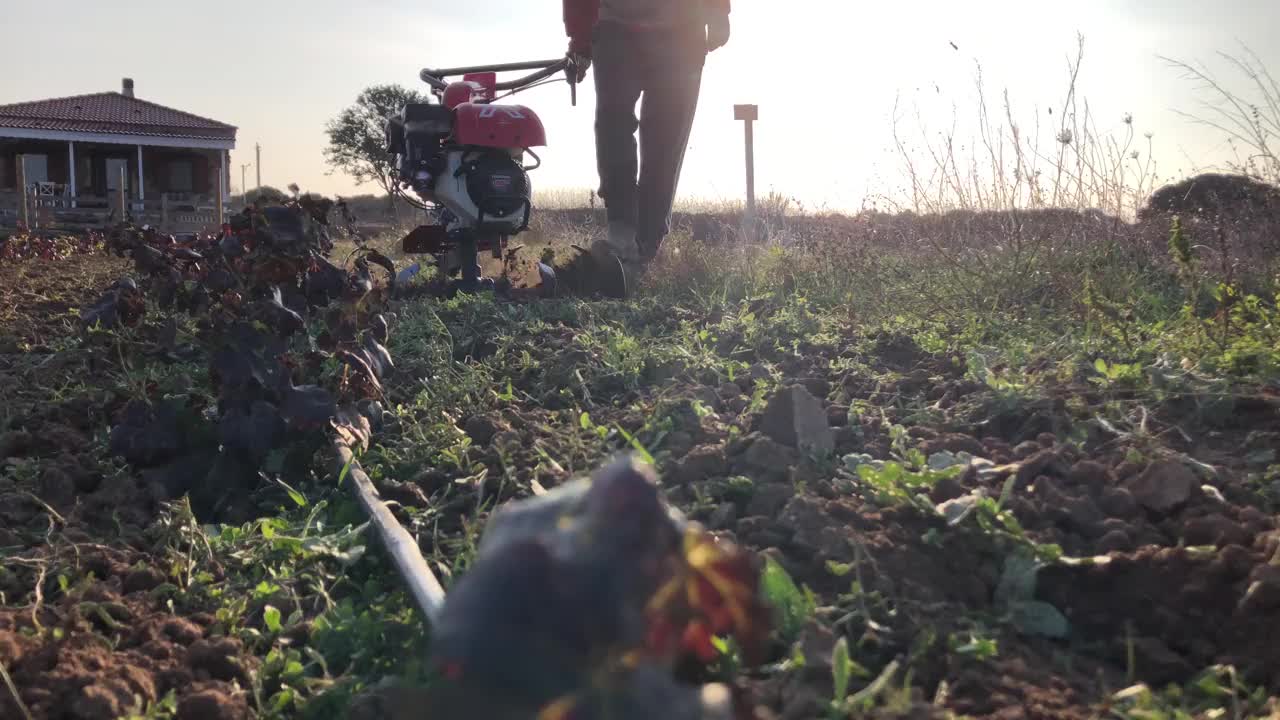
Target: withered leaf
x=308 y=406
x=253 y=434
x=378 y=357
x=285 y=321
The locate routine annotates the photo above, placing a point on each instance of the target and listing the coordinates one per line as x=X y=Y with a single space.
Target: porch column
x=142 y=194
x=71 y=162
x=226 y=174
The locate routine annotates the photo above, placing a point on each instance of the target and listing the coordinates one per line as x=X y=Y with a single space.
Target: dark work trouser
x=665 y=69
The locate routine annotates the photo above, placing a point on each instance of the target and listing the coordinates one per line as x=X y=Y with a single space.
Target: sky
x=826 y=74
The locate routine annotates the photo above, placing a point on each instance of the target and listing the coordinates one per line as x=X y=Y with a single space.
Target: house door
x=36 y=169
x=117 y=167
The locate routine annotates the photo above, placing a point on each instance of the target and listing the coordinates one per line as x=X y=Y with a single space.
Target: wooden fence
x=171 y=215
x=31 y=207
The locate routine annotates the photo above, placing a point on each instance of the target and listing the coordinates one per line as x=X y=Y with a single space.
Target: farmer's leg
x=666 y=119
x=618 y=86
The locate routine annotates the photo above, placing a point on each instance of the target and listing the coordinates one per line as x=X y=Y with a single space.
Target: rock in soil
x=795 y=418
x=1164 y=486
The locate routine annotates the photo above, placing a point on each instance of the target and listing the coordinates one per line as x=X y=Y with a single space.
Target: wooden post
x=222 y=190
x=25 y=209
x=748 y=114
x=124 y=194
x=164 y=212
x=142 y=185
x=71 y=170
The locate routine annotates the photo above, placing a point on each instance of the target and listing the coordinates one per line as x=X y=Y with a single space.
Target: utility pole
x=244 y=189
x=258 y=162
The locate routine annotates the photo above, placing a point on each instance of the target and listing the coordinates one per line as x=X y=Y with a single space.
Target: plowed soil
x=1173 y=554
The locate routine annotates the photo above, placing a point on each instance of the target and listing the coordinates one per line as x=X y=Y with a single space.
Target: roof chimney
x=127 y=87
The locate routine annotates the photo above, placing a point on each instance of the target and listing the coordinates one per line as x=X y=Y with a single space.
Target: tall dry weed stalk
x=1250 y=118
x=1010 y=168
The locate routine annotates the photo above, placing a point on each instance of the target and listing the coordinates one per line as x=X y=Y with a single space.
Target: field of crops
x=986 y=465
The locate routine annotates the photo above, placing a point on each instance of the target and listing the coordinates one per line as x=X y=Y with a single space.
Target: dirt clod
x=482 y=428
x=1164 y=486
x=723 y=516
x=1024 y=450
x=1118 y=503
x=702 y=463
x=769 y=499
x=1091 y=476
x=183 y=632
x=955 y=443
x=795 y=418
x=1214 y=529
x=212 y=705
x=765 y=459
x=1157 y=663
x=96 y=702
x=1116 y=541
x=143 y=579
x=1263 y=594
x=218 y=658
x=15 y=443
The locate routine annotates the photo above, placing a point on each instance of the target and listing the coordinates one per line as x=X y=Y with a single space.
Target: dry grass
x=1013 y=164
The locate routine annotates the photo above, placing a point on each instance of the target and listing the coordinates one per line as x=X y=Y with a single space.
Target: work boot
x=586 y=275
x=619 y=242
x=616 y=255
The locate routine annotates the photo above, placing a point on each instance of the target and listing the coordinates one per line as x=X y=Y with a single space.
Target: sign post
x=748 y=114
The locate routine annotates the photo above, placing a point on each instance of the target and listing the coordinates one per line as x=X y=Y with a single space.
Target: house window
x=181 y=176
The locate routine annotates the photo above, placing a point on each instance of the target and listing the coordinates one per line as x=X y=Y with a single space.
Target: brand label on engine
x=489 y=111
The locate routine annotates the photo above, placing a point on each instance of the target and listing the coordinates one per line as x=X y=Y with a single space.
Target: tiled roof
x=111 y=113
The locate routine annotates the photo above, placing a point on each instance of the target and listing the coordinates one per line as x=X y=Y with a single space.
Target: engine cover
x=511 y=127
x=485 y=189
